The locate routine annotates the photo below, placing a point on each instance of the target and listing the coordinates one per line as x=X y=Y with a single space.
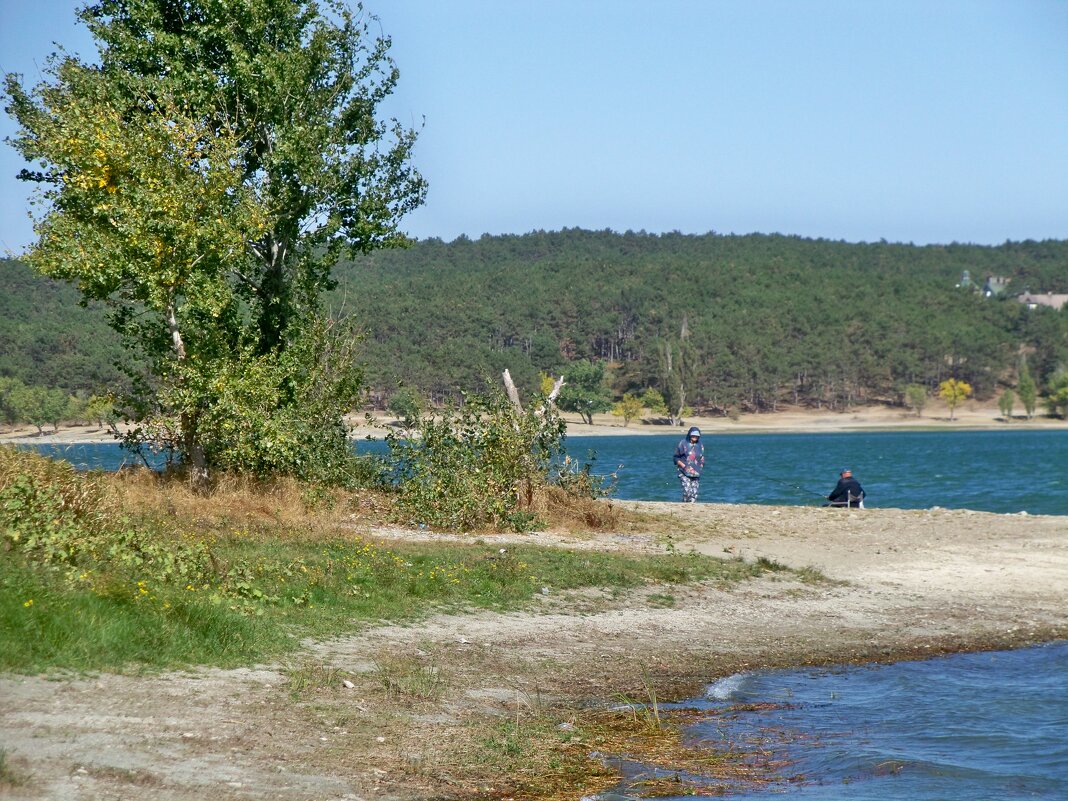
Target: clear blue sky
x=910 y=120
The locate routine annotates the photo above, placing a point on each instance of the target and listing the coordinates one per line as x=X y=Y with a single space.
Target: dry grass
x=409 y=678
x=288 y=504
x=564 y=511
x=280 y=504
x=12 y=772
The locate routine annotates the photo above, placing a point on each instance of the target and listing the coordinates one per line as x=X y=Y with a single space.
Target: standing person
x=847 y=492
x=690 y=460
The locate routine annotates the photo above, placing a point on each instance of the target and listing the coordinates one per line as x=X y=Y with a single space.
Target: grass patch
x=661 y=600
x=10 y=776
x=47 y=625
x=96 y=581
x=308 y=677
x=267 y=592
x=411 y=679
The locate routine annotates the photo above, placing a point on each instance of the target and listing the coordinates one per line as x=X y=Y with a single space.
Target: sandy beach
x=897 y=584
x=970 y=416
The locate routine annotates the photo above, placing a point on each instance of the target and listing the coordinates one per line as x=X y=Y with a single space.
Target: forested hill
x=750 y=321
x=47 y=339
x=767 y=318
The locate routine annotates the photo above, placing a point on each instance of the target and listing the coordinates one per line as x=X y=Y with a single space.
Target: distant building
x=1033 y=300
x=966 y=282
x=995 y=285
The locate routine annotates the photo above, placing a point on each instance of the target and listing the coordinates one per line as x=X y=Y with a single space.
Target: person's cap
x=694 y=432
x=845 y=471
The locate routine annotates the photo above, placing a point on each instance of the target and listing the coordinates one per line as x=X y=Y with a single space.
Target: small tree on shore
x=954 y=392
x=630 y=408
x=1027 y=390
x=1005 y=404
x=407 y=406
x=1057 y=396
x=916 y=398
x=654 y=402
x=585 y=390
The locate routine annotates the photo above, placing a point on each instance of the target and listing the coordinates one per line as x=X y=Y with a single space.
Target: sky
x=924 y=121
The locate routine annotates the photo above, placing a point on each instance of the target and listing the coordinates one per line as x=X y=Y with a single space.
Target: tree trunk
x=192 y=444
x=513 y=393
x=194 y=451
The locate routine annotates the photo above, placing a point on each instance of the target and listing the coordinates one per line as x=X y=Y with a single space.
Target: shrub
x=481 y=465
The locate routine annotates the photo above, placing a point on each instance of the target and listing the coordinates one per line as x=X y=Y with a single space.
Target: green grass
x=85 y=587
x=47 y=625
x=271 y=592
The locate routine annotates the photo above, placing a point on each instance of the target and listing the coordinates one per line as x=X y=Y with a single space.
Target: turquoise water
x=970 y=727
x=992 y=471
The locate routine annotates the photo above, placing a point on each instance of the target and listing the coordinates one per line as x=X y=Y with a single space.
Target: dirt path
x=903 y=583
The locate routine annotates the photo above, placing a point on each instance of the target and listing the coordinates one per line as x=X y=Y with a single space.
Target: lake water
x=992 y=471
x=970 y=727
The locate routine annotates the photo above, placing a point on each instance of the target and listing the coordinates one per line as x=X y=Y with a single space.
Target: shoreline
x=972 y=417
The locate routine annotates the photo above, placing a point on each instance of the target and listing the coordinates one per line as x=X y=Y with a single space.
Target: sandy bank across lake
x=900 y=584
x=970 y=416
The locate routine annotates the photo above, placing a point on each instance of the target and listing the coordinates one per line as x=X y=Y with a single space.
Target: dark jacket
x=692 y=454
x=843 y=489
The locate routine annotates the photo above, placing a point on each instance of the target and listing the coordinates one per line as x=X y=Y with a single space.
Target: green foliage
x=201 y=182
x=34 y=404
x=1027 y=390
x=407 y=405
x=101 y=409
x=1057 y=393
x=280 y=413
x=585 y=390
x=44 y=341
x=654 y=401
x=954 y=392
x=1005 y=404
x=916 y=398
x=630 y=408
x=59 y=518
x=771 y=319
x=475 y=466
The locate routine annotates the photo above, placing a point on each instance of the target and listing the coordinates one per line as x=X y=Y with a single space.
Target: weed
x=661 y=600
x=813 y=575
x=402 y=677
x=771 y=565
x=307 y=677
x=9 y=775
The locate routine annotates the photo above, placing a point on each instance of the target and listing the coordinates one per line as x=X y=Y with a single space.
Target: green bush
x=476 y=466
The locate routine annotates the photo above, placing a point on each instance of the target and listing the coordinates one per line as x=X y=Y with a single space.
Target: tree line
x=714 y=323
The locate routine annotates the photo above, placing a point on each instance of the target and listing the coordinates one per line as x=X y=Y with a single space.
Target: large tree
x=202 y=179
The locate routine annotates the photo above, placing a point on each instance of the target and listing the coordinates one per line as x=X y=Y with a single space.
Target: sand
x=970 y=416
x=900 y=584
